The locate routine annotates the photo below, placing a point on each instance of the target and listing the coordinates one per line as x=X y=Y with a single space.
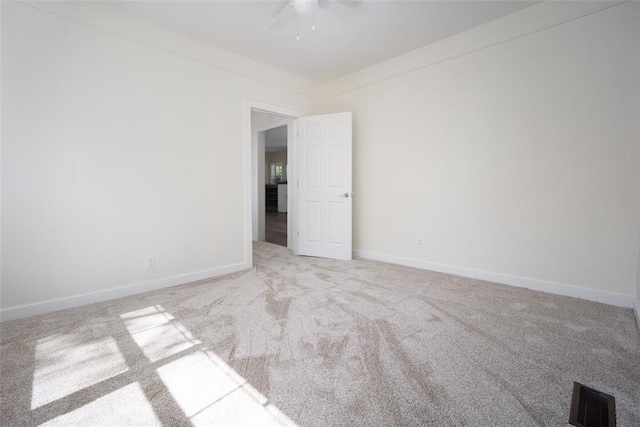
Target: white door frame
x=292 y=173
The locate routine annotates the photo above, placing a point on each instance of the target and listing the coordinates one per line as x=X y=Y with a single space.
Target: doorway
x=325 y=204
x=269 y=140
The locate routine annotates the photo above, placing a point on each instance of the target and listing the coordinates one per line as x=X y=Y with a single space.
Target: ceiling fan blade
x=340 y=8
x=286 y=15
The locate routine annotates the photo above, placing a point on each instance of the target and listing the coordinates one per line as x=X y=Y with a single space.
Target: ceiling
x=379 y=30
x=275 y=139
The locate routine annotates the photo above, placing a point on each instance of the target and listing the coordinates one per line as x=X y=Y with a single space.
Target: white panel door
x=324 y=193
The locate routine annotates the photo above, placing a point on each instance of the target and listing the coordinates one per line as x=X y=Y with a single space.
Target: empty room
x=320 y=213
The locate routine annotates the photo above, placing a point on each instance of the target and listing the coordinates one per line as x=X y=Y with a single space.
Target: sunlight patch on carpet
x=157 y=333
x=69 y=362
x=242 y=408
x=195 y=382
x=210 y=392
x=127 y=406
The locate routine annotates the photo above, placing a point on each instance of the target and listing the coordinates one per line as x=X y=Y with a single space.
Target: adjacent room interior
x=276 y=187
x=270 y=203
x=320 y=212
x=272 y=143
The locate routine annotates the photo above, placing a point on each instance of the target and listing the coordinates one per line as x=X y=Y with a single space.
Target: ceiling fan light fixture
x=304 y=7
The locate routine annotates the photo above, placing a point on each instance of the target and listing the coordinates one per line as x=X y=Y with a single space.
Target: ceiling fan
x=296 y=8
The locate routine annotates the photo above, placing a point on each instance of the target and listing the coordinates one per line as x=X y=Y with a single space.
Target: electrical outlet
x=419 y=243
x=151 y=263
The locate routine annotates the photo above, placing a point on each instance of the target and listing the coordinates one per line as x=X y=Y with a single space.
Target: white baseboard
x=505 y=279
x=19 y=312
x=636 y=309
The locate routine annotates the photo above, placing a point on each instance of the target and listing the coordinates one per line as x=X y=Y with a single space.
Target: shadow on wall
x=138 y=368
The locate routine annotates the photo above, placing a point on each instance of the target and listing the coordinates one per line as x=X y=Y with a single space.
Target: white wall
x=257 y=184
x=511 y=151
x=115 y=148
x=637 y=301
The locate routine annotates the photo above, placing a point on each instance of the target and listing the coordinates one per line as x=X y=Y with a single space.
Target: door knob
x=344 y=195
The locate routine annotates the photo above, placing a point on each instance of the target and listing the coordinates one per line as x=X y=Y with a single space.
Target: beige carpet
x=320 y=342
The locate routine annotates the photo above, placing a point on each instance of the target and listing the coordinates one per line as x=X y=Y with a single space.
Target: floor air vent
x=592 y=408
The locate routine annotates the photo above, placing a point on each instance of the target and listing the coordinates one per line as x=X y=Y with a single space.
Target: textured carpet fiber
x=319 y=342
